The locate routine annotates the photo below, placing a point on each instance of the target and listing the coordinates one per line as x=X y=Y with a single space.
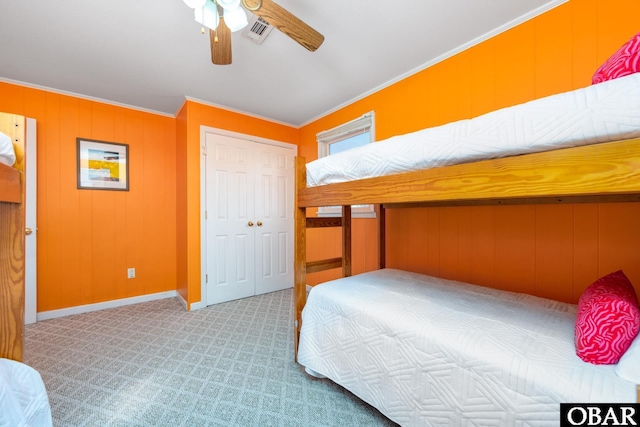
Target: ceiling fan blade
x=286 y=22
x=220 y=44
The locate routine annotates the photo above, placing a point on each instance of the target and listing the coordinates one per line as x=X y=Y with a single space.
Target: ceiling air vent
x=257 y=30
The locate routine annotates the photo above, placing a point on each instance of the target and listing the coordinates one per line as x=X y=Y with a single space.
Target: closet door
x=230 y=181
x=249 y=218
x=274 y=218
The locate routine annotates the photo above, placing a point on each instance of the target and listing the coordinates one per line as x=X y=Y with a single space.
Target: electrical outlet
x=131 y=273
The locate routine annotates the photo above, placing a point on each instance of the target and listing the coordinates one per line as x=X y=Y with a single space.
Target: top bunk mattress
x=604 y=112
x=7 y=153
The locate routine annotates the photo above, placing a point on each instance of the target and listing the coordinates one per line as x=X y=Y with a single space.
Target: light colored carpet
x=154 y=364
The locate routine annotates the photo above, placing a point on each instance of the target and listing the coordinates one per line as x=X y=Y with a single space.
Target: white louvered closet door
x=249 y=218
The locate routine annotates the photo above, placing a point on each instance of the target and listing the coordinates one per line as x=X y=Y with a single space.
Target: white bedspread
x=428 y=351
x=604 y=112
x=23 y=397
x=7 y=154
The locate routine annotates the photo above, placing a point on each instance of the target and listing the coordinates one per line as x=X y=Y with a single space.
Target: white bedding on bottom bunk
x=428 y=351
x=23 y=397
x=608 y=111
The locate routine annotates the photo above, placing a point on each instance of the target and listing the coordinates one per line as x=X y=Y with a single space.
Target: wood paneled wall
x=88 y=238
x=554 y=251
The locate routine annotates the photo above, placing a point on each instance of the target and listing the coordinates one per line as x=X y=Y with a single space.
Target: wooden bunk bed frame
x=12 y=241
x=607 y=172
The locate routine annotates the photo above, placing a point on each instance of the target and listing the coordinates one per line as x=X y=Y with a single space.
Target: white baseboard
x=52 y=314
x=198 y=305
x=195 y=306
x=182 y=301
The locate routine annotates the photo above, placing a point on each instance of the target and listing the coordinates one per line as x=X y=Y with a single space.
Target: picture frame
x=102 y=165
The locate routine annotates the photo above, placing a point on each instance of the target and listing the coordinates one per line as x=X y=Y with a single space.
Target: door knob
x=250 y=224
x=259 y=223
x=28 y=231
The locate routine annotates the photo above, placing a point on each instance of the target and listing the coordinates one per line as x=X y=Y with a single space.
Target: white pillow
x=7 y=155
x=628 y=366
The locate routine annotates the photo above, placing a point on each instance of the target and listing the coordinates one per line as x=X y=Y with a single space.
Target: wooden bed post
x=346 y=241
x=382 y=242
x=12 y=241
x=300 y=265
x=300 y=253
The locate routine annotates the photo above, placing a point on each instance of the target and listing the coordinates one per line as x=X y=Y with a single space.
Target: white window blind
x=354 y=127
x=354 y=133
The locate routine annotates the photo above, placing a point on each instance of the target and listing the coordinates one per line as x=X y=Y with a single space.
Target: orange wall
x=86 y=238
x=551 y=251
x=181 y=203
x=190 y=118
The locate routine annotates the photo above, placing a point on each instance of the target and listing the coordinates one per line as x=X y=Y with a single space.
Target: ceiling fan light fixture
x=193 y=4
x=236 y=19
x=207 y=15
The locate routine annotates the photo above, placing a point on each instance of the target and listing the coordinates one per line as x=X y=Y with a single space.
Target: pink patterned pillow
x=625 y=61
x=608 y=319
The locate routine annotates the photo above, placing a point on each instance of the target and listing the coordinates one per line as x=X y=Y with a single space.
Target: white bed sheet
x=428 y=351
x=608 y=111
x=7 y=153
x=23 y=397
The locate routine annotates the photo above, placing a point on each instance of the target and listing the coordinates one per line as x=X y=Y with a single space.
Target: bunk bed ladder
x=301 y=266
x=344 y=261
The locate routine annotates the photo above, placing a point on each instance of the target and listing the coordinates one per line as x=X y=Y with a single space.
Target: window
x=355 y=133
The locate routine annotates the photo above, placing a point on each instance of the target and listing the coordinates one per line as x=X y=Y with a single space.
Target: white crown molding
x=85 y=97
x=233 y=110
x=509 y=25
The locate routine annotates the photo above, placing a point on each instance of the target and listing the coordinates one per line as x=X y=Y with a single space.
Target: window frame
x=355 y=127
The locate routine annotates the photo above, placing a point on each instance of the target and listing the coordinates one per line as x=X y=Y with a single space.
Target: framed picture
x=102 y=165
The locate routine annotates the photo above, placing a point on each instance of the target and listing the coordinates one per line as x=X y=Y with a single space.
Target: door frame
x=203 y=179
x=30 y=273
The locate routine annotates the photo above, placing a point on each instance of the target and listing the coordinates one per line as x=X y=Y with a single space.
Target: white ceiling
x=150 y=54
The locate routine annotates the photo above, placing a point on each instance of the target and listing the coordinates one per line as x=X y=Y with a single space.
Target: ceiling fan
x=223 y=17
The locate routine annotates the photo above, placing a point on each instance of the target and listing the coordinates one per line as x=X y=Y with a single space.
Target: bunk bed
x=23 y=397
x=12 y=217
x=424 y=350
